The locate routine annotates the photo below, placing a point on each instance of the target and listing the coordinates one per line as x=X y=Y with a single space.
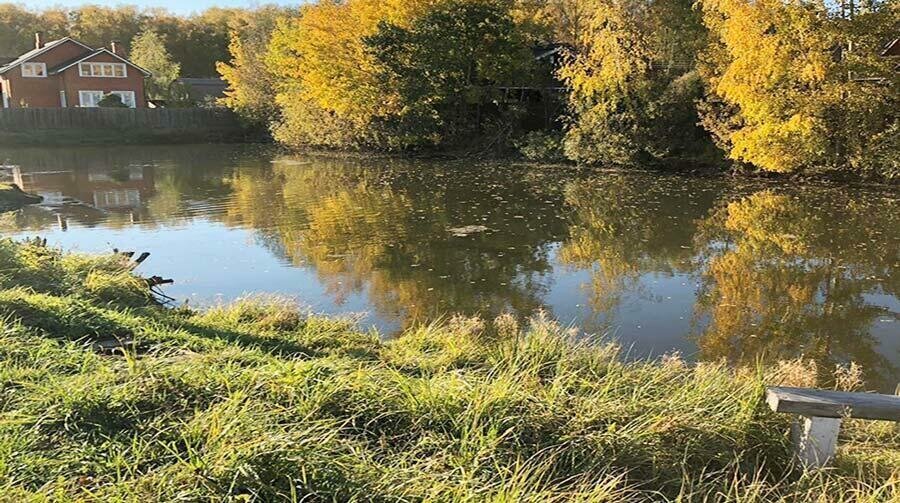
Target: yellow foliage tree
x=785 y=72
x=325 y=74
x=251 y=86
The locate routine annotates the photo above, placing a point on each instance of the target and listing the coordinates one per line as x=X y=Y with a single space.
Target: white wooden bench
x=819 y=412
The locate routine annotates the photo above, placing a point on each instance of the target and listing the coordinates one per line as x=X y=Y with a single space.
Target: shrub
x=541 y=146
x=111 y=101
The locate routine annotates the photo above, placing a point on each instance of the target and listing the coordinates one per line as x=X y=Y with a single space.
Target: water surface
x=711 y=267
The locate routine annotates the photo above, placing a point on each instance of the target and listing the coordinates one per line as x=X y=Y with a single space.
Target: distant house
x=204 y=90
x=891 y=49
x=67 y=73
x=552 y=54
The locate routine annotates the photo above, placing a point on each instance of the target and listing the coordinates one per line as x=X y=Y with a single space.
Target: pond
x=710 y=267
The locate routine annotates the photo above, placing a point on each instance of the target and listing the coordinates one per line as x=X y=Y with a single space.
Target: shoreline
x=829 y=176
x=675 y=167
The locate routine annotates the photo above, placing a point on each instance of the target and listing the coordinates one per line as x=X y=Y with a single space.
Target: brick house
x=66 y=73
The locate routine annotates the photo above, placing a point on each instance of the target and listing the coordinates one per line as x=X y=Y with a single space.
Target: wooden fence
x=31 y=119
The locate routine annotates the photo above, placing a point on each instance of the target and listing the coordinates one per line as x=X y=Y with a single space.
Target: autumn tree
x=17 y=28
x=347 y=71
x=149 y=52
x=196 y=42
x=97 y=26
x=796 y=85
x=328 y=88
x=555 y=21
x=251 y=84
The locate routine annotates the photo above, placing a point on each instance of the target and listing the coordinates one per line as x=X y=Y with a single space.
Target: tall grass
x=259 y=402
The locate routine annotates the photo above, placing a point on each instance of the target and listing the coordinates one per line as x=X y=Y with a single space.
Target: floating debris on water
x=467 y=230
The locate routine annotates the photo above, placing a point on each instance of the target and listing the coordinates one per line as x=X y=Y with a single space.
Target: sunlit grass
x=257 y=401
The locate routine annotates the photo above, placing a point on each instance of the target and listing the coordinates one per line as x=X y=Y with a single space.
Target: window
x=122 y=198
x=114 y=70
x=91 y=99
x=126 y=96
x=34 y=69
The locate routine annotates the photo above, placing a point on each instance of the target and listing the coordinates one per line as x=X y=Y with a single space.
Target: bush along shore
x=257 y=401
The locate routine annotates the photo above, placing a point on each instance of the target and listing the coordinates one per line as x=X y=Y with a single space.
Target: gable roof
x=544 y=51
x=36 y=52
x=63 y=66
x=892 y=48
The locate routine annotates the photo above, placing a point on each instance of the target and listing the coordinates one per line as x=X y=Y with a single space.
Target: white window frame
x=99 y=70
x=93 y=101
x=130 y=101
x=128 y=98
x=31 y=66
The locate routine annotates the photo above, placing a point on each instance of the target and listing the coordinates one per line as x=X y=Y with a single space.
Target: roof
x=72 y=62
x=35 y=52
x=892 y=48
x=545 y=51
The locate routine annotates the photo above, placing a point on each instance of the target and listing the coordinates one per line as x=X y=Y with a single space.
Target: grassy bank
x=258 y=402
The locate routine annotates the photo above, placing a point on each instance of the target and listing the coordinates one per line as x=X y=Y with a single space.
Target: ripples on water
x=714 y=268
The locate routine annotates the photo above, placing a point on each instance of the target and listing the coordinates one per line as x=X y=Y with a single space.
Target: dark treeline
x=196 y=42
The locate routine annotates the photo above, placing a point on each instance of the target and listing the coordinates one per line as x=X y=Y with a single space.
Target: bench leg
x=815 y=440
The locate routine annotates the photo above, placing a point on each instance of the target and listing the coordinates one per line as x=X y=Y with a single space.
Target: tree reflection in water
x=787 y=273
x=387 y=232
x=761 y=269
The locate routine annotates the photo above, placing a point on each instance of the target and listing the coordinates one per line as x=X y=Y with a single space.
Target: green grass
x=257 y=401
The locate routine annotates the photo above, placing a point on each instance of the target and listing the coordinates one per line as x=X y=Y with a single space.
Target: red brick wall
x=44 y=92
x=72 y=82
x=36 y=91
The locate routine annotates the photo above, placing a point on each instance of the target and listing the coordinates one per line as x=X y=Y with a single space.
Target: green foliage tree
x=203 y=39
x=149 y=51
x=446 y=65
x=632 y=83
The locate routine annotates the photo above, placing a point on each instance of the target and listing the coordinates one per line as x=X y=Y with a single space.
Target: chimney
x=38 y=40
x=114 y=47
